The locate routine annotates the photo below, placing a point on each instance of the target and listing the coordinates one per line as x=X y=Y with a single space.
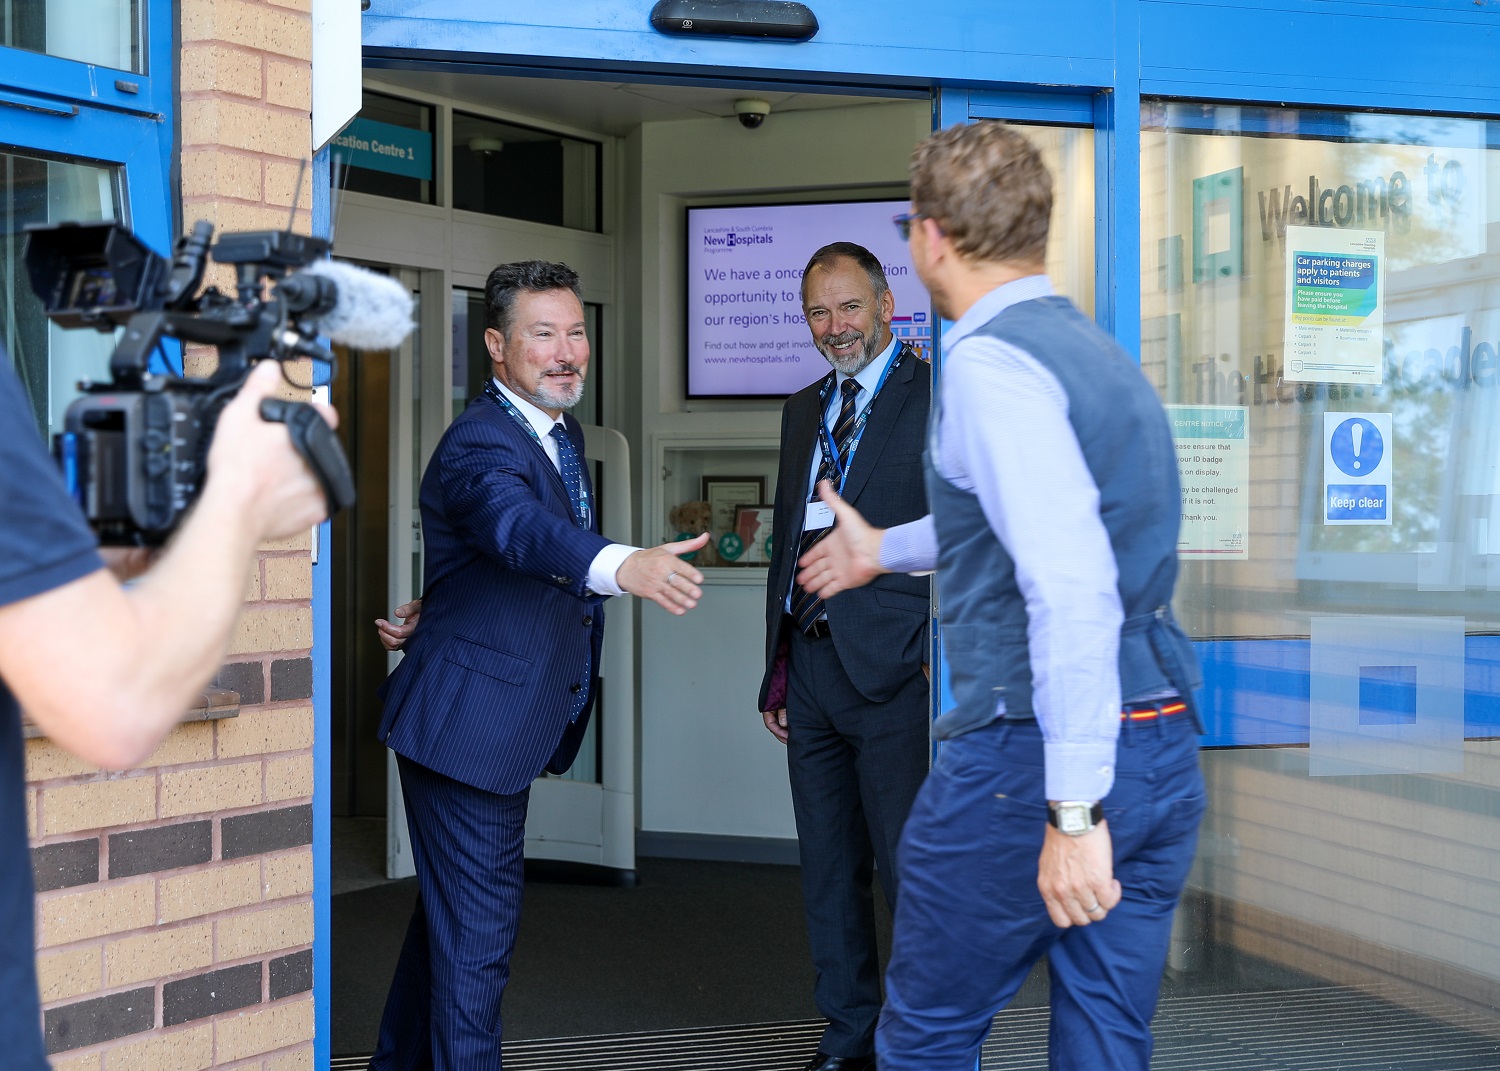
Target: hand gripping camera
x=134 y=450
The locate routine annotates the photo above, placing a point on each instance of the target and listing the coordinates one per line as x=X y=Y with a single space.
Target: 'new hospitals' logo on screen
x=722 y=239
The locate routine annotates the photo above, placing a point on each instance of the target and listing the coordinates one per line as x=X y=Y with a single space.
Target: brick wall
x=174 y=908
x=1386 y=880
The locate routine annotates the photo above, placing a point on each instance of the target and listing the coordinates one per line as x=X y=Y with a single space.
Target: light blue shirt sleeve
x=911 y=547
x=1004 y=434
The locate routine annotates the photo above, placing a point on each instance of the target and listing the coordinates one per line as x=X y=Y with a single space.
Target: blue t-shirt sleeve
x=44 y=540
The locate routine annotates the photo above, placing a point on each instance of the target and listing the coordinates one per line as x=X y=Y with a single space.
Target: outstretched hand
x=847 y=557
x=658 y=574
x=392 y=637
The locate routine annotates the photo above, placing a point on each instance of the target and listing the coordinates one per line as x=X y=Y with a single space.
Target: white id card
x=819 y=515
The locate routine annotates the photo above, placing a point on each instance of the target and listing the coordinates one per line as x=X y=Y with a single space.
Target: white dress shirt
x=868 y=379
x=607 y=562
x=1003 y=434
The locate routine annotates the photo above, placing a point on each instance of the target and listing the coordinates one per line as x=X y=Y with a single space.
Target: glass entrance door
x=375 y=554
x=1320 y=302
x=1061 y=128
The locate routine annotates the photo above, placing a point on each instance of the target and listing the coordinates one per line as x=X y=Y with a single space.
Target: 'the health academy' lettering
x=1459 y=367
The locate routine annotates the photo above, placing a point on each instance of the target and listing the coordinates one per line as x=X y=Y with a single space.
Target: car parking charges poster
x=1335 y=304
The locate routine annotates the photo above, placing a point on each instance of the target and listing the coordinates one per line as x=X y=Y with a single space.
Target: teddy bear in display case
x=688 y=520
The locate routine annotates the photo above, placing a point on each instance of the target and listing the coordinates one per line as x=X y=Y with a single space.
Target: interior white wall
x=708 y=765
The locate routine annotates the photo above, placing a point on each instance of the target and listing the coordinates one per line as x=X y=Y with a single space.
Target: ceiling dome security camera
x=483 y=146
x=752 y=112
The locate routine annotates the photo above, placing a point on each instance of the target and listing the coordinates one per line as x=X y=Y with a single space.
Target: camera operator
x=107 y=671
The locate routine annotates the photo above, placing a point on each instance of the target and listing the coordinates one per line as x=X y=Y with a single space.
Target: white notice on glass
x=1335 y=305
x=1213 y=463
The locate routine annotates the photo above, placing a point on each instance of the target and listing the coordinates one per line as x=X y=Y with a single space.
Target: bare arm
x=106 y=672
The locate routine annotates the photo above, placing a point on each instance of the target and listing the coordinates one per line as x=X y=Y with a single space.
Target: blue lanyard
x=495 y=393
x=825 y=439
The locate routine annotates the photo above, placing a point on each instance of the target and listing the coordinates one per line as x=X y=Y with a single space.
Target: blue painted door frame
x=322 y=644
x=70 y=110
x=1073 y=61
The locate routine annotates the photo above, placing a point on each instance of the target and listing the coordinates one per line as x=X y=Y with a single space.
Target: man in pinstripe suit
x=497 y=682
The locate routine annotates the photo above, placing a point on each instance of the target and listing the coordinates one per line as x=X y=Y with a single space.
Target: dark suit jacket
x=880 y=630
x=509 y=633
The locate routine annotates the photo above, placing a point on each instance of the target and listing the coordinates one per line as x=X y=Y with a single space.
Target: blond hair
x=987 y=187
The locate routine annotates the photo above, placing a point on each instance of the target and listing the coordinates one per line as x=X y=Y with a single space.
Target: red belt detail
x=1153 y=712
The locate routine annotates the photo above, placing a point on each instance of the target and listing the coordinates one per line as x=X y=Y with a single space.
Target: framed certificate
x=725 y=494
x=753 y=525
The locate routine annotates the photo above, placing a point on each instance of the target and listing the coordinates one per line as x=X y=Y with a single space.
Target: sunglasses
x=904 y=221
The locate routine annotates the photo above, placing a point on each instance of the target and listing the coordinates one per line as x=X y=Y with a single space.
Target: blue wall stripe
x=1257 y=691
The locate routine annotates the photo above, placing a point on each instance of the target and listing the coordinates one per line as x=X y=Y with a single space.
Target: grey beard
x=857 y=361
x=548 y=398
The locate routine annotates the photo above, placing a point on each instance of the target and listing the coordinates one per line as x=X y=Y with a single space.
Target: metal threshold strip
x=1332 y=1028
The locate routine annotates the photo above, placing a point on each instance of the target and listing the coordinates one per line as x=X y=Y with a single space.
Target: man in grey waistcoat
x=1061 y=814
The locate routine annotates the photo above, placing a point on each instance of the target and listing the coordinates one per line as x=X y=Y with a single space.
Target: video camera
x=134 y=450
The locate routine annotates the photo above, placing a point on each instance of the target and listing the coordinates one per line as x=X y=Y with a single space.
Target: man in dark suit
x=845 y=687
x=497 y=682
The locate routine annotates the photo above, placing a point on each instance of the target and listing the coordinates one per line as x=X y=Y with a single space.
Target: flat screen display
x=746 y=336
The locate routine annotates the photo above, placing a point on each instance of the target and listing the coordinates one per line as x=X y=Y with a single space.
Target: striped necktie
x=807 y=607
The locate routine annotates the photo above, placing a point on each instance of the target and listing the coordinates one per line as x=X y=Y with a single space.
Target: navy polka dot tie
x=571 y=467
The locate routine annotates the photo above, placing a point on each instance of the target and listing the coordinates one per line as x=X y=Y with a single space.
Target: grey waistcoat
x=1127 y=445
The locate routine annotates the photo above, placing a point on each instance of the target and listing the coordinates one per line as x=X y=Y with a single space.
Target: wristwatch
x=1074 y=817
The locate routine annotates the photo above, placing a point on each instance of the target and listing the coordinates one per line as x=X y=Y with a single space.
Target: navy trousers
x=971 y=922
x=443 y=1011
x=855 y=767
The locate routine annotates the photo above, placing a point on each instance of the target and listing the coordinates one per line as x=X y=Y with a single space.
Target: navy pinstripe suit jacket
x=508 y=631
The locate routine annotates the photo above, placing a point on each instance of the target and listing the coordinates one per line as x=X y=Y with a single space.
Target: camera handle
x=319 y=447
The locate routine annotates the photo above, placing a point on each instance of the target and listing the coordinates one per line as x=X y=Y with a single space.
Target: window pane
x=471 y=360
x=104 y=32
x=505 y=170
x=49 y=360
x=387 y=150
x=1395 y=321
x=1321 y=312
x=1069 y=155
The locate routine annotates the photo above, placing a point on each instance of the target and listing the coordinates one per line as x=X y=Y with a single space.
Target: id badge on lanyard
x=819 y=515
x=830 y=449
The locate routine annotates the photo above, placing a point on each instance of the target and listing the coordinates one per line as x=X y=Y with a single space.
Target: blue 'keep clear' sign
x=1357 y=468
